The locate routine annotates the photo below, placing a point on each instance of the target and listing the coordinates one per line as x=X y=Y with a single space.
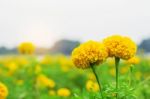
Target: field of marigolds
x=110 y=69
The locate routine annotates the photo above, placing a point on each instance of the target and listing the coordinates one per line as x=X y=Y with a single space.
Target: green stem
x=131 y=78
x=35 y=88
x=117 y=74
x=100 y=87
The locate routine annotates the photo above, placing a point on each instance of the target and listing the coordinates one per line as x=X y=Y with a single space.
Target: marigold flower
x=26 y=48
x=89 y=53
x=134 y=60
x=42 y=80
x=121 y=47
x=91 y=76
x=3 y=91
x=92 y=86
x=64 y=92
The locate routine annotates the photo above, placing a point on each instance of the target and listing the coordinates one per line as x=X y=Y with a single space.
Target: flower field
x=55 y=77
x=106 y=70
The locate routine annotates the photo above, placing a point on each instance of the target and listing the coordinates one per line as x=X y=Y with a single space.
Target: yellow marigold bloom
x=64 y=92
x=134 y=60
x=26 y=48
x=3 y=91
x=89 y=53
x=12 y=66
x=42 y=80
x=91 y=76
x=22 y=61
x=121 y=47
x=65 y=63
x=92 y=86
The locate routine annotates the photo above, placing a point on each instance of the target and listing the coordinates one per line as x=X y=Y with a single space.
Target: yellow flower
x=65 y=63
x=134 y=60
x=52 y=93
x=42 y=80
x=64 y=92
x=121 y=47
x=26 y=48
x=22 y=61
x=12 y=66
x=92 y=86
x=91 y=76
x=89 y=53
x=3 y=91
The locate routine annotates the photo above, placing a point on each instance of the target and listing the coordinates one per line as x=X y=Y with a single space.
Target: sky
x=43 y=22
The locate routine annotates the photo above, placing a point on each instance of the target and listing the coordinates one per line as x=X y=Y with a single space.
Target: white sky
x=45 y=21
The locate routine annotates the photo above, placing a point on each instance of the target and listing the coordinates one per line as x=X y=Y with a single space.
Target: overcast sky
x=45 y=21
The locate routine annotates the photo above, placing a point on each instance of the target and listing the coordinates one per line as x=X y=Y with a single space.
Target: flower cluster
x=26 y=48
x=64 y=92
x=3 y=91
x=92 y=86
x=94 y=53
x=134 y=60
x=42 y=80
x=89 y=53
x=121 y=47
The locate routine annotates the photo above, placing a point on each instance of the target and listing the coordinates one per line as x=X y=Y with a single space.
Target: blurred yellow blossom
x=26 y=48
x=65 y=63
x=42 y=80
x=3 y=91
x=64 y=92
x=91 y=76
x=134 y=60
x=92 y=86
x=12 y=66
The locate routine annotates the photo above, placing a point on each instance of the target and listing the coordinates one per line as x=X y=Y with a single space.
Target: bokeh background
x=55 y=28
